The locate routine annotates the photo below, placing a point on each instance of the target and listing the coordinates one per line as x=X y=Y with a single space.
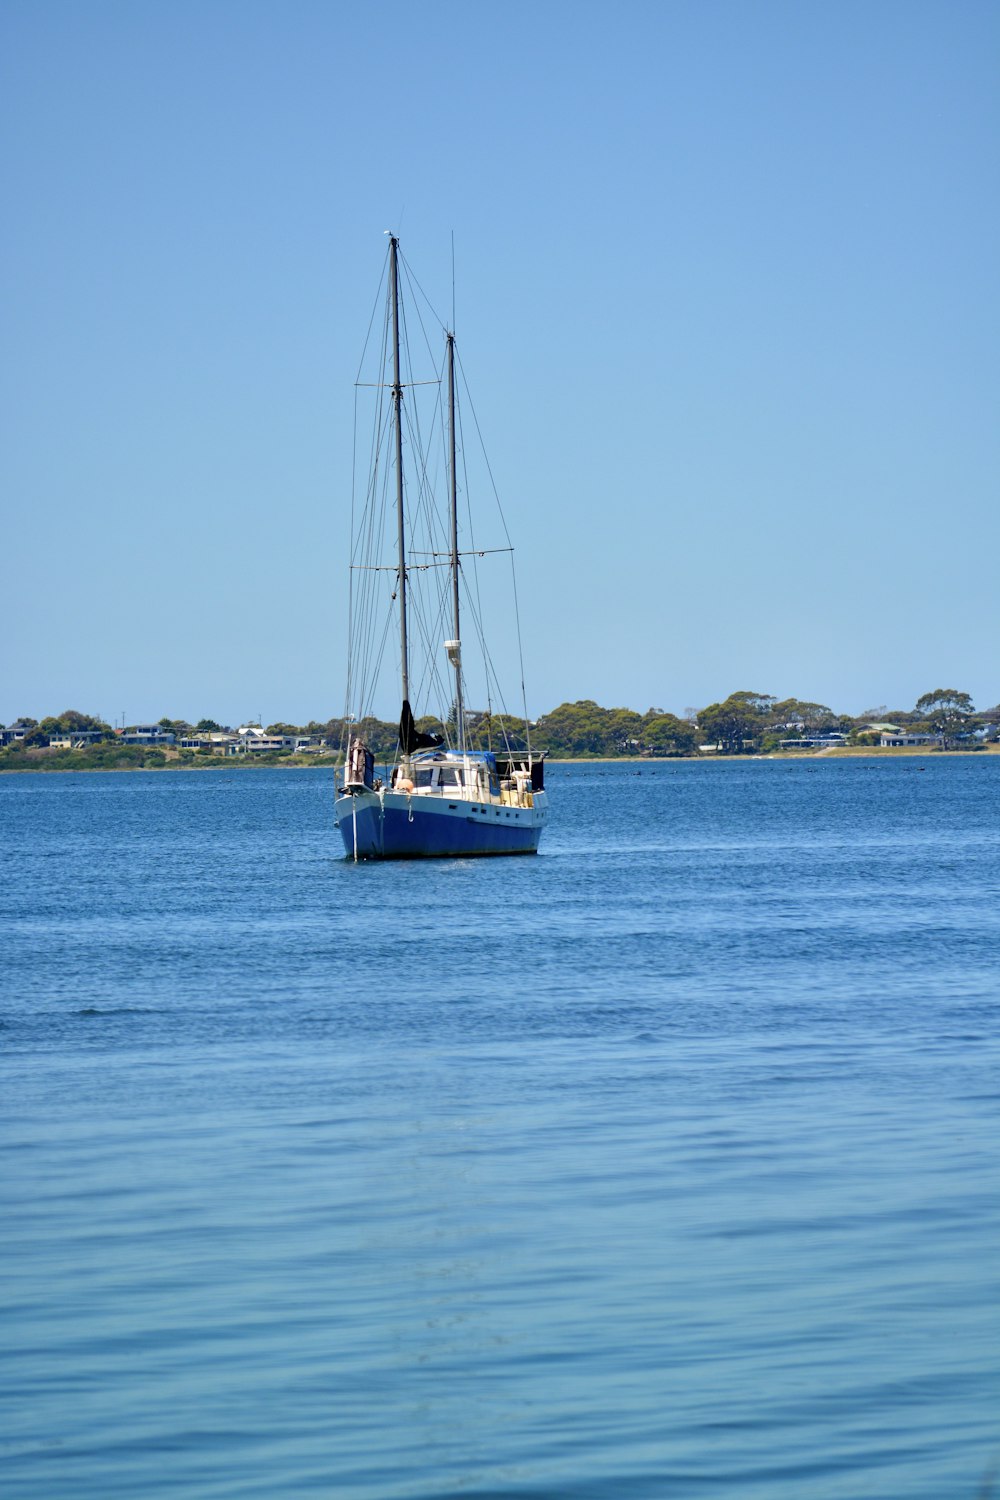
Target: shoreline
x=840 y=752
x=875 y=752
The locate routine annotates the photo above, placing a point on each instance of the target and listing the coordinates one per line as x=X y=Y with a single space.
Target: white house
x=250 y=739
x=147 y=734
x=814 y=742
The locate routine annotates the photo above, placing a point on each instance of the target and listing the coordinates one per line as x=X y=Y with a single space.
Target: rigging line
x=363 y=626
x=371 y=611
x=369 y=697
x=472 y=552
x=411 y=418
x=430 y=305
x=411 y=567
x=380 y=468
x=474 y=612
x=364 y=538
x=348 y=686
x=433 y=589
x=499 y=692
x=503 y=522
x=371 y=321
x=430 y=605
x=520 y=655
x=372 y=542
x=486 y=458
x=439 y=450
x=491 y=679
x=436 y=430
x=416 y=308
x=364 y=355
x=368 y=606
x=370 y=660
x=426 y=516
x=381 y=404
x=468 y=501
x=415 y=445
x=425 y=511
x=425 y=658
x=429 y=484
x=376 y=469
x=489 y=666
x=418 y=446
x=431 y=677
x=350 y=589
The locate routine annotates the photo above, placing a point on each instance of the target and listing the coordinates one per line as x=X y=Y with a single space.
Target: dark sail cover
x=359 y=767
x=410 y=737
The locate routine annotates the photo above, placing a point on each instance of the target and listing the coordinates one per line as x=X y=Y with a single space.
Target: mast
x=456 y=655
x=397 y=403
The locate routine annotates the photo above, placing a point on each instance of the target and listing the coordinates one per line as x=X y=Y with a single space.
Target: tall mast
x=457 y=657
x=397 y=403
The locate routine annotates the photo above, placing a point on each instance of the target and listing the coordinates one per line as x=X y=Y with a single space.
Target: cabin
x=477 y=775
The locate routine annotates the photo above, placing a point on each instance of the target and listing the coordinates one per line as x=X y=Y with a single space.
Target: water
x=662 y=1164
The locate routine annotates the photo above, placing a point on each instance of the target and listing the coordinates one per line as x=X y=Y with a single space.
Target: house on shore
x=899 y=738
x=15 y=733
x=77 y=739
x=147 y=734
x=814 y=742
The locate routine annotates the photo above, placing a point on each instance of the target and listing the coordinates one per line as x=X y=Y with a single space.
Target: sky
x=726 y=290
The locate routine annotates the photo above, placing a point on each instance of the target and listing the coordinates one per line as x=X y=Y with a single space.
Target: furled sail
x=410 y=737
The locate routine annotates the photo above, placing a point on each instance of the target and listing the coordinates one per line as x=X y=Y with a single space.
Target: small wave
x=119 y=1010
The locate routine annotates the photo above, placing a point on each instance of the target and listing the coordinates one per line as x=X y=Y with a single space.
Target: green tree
x=947 y=712
x=584 y=728
x=735 y=723
x=43 y=732
x=573 y=729
x=69 y=722
x=486 y=731
x=208 y=726
x=811 y=716
x=665 y=734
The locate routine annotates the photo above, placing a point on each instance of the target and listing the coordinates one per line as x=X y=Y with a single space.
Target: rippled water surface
x=662 y=1164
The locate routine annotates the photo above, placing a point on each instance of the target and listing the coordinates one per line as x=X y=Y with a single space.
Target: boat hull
x=392 y=825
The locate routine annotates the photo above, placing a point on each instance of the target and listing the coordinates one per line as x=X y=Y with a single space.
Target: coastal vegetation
x=744 y=723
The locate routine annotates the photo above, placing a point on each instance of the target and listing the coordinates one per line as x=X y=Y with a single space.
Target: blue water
x=662 y=1164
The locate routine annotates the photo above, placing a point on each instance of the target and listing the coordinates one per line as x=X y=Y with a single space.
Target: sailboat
x=466 y=784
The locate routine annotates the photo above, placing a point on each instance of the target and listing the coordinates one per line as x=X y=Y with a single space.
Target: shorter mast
x=455 y=653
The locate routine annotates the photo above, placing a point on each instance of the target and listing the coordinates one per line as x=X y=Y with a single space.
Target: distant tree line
x=744 y=723
x=758 y=722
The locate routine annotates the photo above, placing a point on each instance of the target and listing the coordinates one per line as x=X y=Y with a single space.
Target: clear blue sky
x=727 y=290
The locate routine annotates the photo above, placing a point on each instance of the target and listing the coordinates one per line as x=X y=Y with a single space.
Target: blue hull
x=415 y=831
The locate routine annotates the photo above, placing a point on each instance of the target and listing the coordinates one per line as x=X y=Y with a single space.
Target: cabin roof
x=430 y=757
